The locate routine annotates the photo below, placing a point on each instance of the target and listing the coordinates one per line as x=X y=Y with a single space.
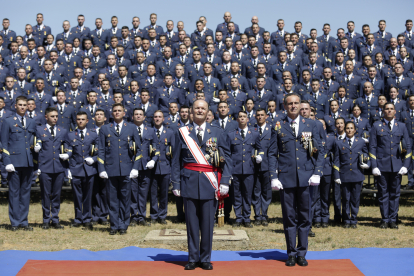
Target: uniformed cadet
x=4 y=114
x=22 y=86
x=245 y=147
x=122 y=83
x=404 y=84
x=132 y=99
x=161 y=169
x=83 y=144
x=39 y=118
x=390 y=154
x=16 y=138
x=90 y=108
x=98 y=36
x=262 y=192
x=140 y=187
x=158 y=29
x=139 y=69
x=75 y=97
x=111 y=70
x=7 y=34
x=211 y=84
x=295 y=132
x=195 y=187
x=318 y=99
x=51 y=167
x=43 y=100
x=31 y=66
x=10 y=95
x=119 y=163
x=168 y=94
x=113 y=31
x=99 y=191
x=151 y=82
x=180 y=81
x=53 y=82
x=136 y=31
x=352 y=151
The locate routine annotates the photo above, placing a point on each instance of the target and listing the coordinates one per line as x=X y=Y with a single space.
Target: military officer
x=10 y=95
x=16 y=136
x=119 y=163
x=159 y=30
x=290 y=133
x=51 y=167
x=390 y=159
x=67 y=35
x=191 y=180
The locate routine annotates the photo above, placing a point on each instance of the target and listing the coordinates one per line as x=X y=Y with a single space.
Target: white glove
x=54 y=98
x=376 y=172
x=176 y=192
x=216 y=100
x=338 y=181
x=314 y=180
x=89 y=160
x=133 y=173
x=403 y=171
x=64 y=156
x=366 y=140
x=38 y=172
x=10 y=168
x=68 y=174
x=150 y=164
x=37 y=147
x=258 y=159
x=363 y=166
x=276 y=185
x=224 y=189
x=103 y=175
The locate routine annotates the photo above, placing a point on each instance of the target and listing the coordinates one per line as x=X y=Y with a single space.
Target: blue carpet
x=370 y=261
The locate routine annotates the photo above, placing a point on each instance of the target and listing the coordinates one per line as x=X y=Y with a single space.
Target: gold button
x=298 y=168
x=120 y=161
x=119 y=154
x=296 y=149
x=199 y=172
x=350 y=169
x=53 y=158
x=297 y=158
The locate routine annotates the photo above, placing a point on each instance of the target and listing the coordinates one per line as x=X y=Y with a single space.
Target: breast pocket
x=15 y=135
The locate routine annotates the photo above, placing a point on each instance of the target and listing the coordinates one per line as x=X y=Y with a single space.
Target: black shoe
x=94 y=222
x=291 y=261
x=265 y=222
x=353 y=226
x=383 y=225
x=57 y=226
x=4 y=186
x=406 y=188
x=179 y=220
x=153 y=221
x=143 y=223
x=257 y=222
x=66 y=183
x=112 y=232
x=14 y=228
x=311 y=234
x=393 y=225
x=236 y=224
x=190 y=266
x=324 y=225
x=133 y=223
x=26 y=228
x=248 y=225
x=75 y=224
x=88 y=225
x=347 y=225
x=45 y=226
x=122 y=232
x=103 y=222
x=302 y=261
x=162 y=221
x=206 y=266
x=317 y=225
x=227 y=220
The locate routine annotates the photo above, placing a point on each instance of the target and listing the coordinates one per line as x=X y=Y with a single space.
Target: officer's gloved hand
x=224 y=189
x=338 y=181
x=403 y=171
x=176 y=192
x=376 y=172
x=276 y=185
x=258 y=159
x=103 y=175
x=366 y=140
x=64 y=156
x=68 y=174
x=150 y=164
x=89 y=160
x=216 y=100
x=133 y=173
x=314 y=180
x=38 y=172
x=10 y=168
x=363 y=166
x=37 y=147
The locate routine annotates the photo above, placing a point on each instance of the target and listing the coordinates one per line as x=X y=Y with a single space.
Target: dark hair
x=50 y=109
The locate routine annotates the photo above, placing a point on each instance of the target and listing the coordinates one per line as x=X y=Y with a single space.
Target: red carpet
x=316 y=267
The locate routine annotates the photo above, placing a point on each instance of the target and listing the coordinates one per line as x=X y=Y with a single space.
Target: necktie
x=151 y=80
x=139 y=131
x=340 y=70
x=234 y=94
x=10 y=95
x=283 y=67
x=260 y=131
x=409 y=36
x=367 y=100
x=145 y=54
x=67 y=58
x=158 y=133
x=92 y=110
x=169 y=35
x=271 y=116
x=179 y=83
x=389 y=125
x=292 y=126
x=110 y=70
x=125 y=42
x=378 y=67
x=222 y=122
x=356 y=120
x=313 y=68
x=242 y=133
x=48 y=77
x=31 y=115
x=173 y=119
x=196 y=67
x=238 y=56
x=347 y=79
x=117 y=129
x=208 y=83
x=398 y=81
x=259 y=94
x=199 y=136
x=248 y=116
x=61 y=109
x=327 y=84
x=182 y=61
x=122 y=82
x=40 y=96
x=370 y=49
x=82 y=135
x=40 y=62
x=143 y=108
x=227 y=67
x=254 y=63
x=289 y=56
x=209 y=59
x=412 y=114
x=106 y=98
x=315 y=96
x=350 y=143
x=52 y=132
x=21 y=84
